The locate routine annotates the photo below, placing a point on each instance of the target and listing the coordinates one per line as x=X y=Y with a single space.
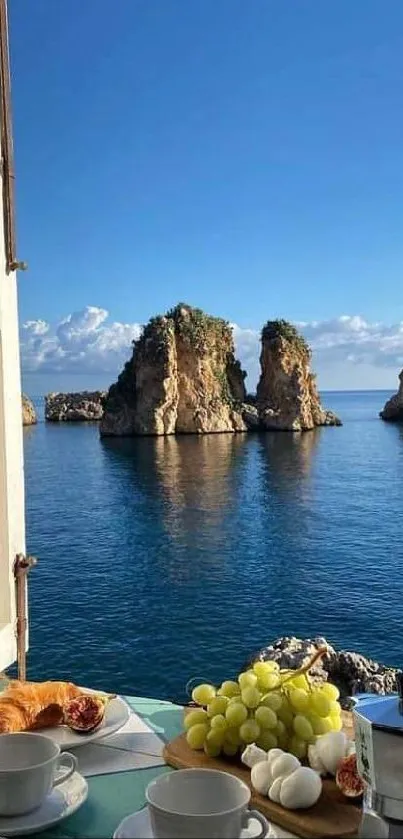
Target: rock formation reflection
x=289 y=457
x=185 y=488
x=285 y=481
x=195 y=476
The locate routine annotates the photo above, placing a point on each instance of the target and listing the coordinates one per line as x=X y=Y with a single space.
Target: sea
x=164 y=560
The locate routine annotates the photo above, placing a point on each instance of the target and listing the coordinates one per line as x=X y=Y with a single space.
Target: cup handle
x=254 y=814
x=70 y=766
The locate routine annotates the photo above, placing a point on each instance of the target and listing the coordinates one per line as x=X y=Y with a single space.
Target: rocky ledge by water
x=351 y=672
x=183 y=378
x=287 y=397
x=393 y=410
x=74 y=407
x=28 y=411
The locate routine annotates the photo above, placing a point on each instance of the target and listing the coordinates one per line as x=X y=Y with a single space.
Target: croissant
x=33 y=705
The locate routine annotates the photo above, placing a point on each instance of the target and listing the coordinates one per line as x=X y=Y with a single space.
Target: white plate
x=63 y=801
x=138 y=826
x=116 y=714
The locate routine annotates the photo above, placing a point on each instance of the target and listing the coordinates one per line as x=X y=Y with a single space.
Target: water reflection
x=194 y=475
x=289 y=458
x=184 y=489
x=399 y=429
x=284 y=480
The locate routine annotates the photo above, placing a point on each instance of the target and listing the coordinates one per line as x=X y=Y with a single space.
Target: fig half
x=84 y=714
x=348 y=780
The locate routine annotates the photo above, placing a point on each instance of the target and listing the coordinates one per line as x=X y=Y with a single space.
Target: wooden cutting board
x=332 y=816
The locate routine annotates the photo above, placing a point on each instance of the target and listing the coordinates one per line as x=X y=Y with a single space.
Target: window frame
x=12 y=506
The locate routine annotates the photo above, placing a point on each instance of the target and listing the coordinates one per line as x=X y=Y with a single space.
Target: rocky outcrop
x=28 y=411
x=183 y=378
x=351 y=672
x=250 y=416
x=287 y=398
x=74 y=407
x=393 y=410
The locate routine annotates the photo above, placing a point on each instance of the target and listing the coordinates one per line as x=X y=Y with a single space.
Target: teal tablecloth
x=112 y=797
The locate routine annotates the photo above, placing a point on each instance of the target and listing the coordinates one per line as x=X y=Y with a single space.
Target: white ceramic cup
x=200 y=804
x=28 y=767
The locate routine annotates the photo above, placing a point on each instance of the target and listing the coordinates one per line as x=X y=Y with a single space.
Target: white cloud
x=349 y=337
x=36 y=327
x=83 y=342
x=247 y=349
x=353 y=339
x=87 y=342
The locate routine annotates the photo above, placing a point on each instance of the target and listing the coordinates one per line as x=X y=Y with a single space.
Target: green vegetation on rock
x=197 y=328
x=275 y=329
x=202 y=333
x=226 y=395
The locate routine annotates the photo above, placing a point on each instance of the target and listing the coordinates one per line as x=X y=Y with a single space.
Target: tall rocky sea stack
x=393 y=410
x=183 y=378
x=287 y=397
x=28 y=411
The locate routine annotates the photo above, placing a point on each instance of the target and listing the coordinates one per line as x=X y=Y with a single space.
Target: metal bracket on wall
x=22 y=566
x=18 y=266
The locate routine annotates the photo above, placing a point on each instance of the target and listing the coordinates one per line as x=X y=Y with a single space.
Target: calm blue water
x=162 y=559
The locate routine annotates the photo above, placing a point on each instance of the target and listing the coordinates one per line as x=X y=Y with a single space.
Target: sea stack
x=74 y=407
x=28 y=411
x=287 y=397
x=183 y=378
x=393 y=410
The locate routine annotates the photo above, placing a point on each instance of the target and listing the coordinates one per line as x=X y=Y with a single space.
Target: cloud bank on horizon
x=88 y=342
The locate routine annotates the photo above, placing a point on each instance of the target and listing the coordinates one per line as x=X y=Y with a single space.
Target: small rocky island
x=183 y=378
x=28 y=411
x=74 y=407
x=393 y=410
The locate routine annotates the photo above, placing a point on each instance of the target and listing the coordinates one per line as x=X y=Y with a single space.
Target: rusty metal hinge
x=22 y=565
x=18 y=266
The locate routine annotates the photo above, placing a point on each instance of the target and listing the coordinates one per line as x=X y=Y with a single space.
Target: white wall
x=12 y=524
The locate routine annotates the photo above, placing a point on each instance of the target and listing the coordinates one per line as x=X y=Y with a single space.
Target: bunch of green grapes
x=266 y=706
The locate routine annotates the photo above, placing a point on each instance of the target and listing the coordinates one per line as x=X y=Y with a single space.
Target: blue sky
x=246 y=157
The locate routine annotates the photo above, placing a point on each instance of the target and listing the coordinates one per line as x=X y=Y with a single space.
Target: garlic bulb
x=261 y=777
x=274 y=791
x=300 y=789
x=252 y=755
x=281 y=777
x=315 y=761
x=283 y=765
x=328 y=751
x=272 y=754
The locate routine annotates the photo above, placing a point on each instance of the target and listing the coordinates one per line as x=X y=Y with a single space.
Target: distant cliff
x=74 y=407
x=393 y=409
x=287 y=397
x=183 y=378
x=28 y=411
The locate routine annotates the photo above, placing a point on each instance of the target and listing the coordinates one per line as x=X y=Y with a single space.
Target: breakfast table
x=119 y=768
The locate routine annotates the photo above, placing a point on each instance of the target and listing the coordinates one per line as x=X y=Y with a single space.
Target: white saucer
x=63 y=801
x=138 y=826
x=117 y=713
